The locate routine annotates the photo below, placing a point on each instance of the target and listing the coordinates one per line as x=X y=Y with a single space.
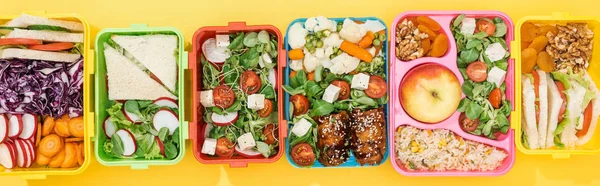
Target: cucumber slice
x=4 y=30
x=47 y=27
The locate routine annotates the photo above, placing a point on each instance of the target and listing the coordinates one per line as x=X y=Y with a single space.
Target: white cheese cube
x=301 y=127
x=320 y=53
x=495 y=52
x=256 y=101
x=209 y=146
x=206 y=98
x=468 y=26
x=222 y=41
x=360 y=81
x=331 y=93
x=496 y=76
x=246 y=141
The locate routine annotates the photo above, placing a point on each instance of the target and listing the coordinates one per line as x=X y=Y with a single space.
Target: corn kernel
x=414 y=149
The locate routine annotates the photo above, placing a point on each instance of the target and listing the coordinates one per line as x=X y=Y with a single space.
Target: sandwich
x=36 y=38
x=529 y=119
x=535 y=104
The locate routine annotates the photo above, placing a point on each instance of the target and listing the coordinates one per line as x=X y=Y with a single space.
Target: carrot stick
x=296 y=54
x=366 y=41
x=311 y=76
x=356 y=51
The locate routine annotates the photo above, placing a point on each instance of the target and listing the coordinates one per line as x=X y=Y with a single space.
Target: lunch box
x=398 y=69
x=102 y=102
x=88 y=104
x=351 y=162
x=593 y=146
x=197 y=123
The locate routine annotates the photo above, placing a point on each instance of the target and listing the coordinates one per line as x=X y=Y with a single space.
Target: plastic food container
x=197 y=124
x=399 y=116
x=102 y=102
x=351 y=162
x=88 y=104
x=593 y=146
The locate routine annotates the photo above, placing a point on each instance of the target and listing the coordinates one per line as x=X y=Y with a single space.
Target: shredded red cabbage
x=41 y=87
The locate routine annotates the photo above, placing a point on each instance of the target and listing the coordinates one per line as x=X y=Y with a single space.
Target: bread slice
x=45 y=35
x=575 y=97
x=11 y=53
x=126 y=81
x=595 y=112
x=26 y=20
x=543 y=98
x=156 y=52
x=529 y=124
x=554 y=104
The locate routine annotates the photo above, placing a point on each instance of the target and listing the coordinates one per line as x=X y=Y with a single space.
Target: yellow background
x=189 y=15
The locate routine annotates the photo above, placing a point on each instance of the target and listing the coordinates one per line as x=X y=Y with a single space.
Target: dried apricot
x=50 y=145
x=411 y=19
x=426 y=30
x=48 y=126
x=528 y=32
x=545 y=61
x=62 y=127
x=528 y=58
x=426 y=45
x=539 y=43
x=76 y=127
x=70 y=156
x=429 y=23
x=548 y=28
x=58 y=160
x=525 y=44
x=439 y=46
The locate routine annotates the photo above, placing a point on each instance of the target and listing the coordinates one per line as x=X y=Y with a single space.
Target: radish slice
x=3 y=128
x=166 y=102
x=161 y=145
x=272 y=77
x=129 y=145
x=15 y=126
x=21 y=154
x=207 y=128
x=109 y=127
x=224 y=120
x=213 y=53
x=13 y=151
x=6 y=156
x=165 y=118
x=248 y=153
x=29 y=126
x=29 y=151
x=134 y=118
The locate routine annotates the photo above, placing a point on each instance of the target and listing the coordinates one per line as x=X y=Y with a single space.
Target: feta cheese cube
x=319 y=52
x=209 y=146
x=495 y=52
x=360 y=81
x=246 y=141
x=256 y=101
x=468 y=26
x=301 y=127
x=331 y=93
x=496 y=76
x=222 y=41
x=206 y=98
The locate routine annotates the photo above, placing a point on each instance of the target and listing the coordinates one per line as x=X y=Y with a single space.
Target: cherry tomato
x=225 y=148
x=301 y=104
x=466 y=124
x=344 y=89
x=536 y=88
x=19 y=41
x=497 y=134
x=303 y=155
x=477 y=71
x=267 y=109
x=270 y=133
x=486 y=26
x=563 y=96
x=377 y=87
x=250 y=82
x=52 y=47
x=223 y=96
x=496 y=98
x=587 y=120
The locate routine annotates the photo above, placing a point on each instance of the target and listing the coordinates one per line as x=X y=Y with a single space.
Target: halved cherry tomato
x=486 y=26
x=270 y=133
x=563 y=96
x=497 y=134
x=496 y=98
x=223 y=96
x=536 y=88
x=587 y=120
x=52 y=47
x=19 y=41
x=250 y=82
x=303 y=155
x=225 y=148
x=301 y=104
x=344 y=89
x=477 y=71
x=267 y=109
x=466 y=124
x=377 y=87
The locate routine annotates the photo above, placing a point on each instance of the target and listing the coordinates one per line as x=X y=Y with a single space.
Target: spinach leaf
x=502 y=64
x=292 y=91
x=469 y=55
x=236 y=41
x=162 y=133
x=474 y=43
x=170 y=150
x=321 y=108
x=313 y=89
x=117 y=145
x=132 y=106
x=250 y=58
x=473 y=110
x=263 y=36
x=366 y=101
x=462 y=106
x=299 y=79
x=458 y=20
x=487 y=129
x=251 y=39
x=467 y=88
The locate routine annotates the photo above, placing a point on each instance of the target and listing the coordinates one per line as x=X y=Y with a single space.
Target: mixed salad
x=338 y=89
x=483 y=62
x=239 y=96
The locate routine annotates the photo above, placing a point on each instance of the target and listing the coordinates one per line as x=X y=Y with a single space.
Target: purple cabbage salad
x=41 y=87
